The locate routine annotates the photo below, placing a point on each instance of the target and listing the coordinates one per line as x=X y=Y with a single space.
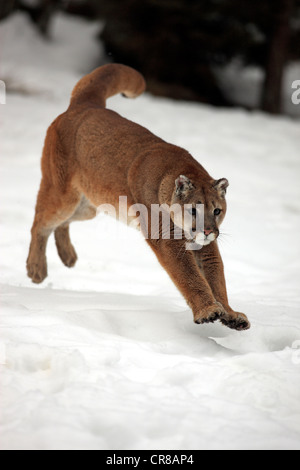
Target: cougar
x=92 y=156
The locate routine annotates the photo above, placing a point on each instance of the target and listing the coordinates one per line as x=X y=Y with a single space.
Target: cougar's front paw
x=210 y=314
x=37 y=271
x=236 y=321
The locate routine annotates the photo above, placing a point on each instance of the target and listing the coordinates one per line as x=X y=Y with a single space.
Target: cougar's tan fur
x=93 y=155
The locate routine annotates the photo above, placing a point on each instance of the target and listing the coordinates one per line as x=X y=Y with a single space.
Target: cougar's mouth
x=203 y=239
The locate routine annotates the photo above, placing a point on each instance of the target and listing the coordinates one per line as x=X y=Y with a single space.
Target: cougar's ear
x=183 y=185
x=221 y=186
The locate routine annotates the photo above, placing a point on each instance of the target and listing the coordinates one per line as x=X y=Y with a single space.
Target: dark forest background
x=177 y=43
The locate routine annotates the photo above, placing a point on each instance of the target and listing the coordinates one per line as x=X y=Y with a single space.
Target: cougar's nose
x=207 y=231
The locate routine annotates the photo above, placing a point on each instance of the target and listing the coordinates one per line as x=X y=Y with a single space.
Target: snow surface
x=106 y=355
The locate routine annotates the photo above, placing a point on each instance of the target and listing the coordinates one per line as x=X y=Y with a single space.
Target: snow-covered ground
x=106 y=355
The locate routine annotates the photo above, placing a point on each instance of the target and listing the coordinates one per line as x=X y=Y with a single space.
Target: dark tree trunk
x=164 y=40
x=277 y=56
x=41 y=14
x=6 y=7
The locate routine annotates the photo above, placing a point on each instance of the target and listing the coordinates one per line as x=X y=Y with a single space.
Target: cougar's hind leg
x=53 y=209
x=64 y=246
x=66 y=251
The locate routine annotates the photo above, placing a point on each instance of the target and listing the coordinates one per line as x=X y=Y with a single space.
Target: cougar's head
x=202 y=208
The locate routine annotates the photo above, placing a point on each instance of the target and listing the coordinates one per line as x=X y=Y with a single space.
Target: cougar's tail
x=106 y=81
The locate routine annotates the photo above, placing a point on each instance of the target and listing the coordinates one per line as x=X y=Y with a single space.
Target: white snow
x=106 y=355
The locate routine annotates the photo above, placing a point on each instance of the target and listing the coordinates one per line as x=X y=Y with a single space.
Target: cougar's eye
x=217 y=212
x=194 y=212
